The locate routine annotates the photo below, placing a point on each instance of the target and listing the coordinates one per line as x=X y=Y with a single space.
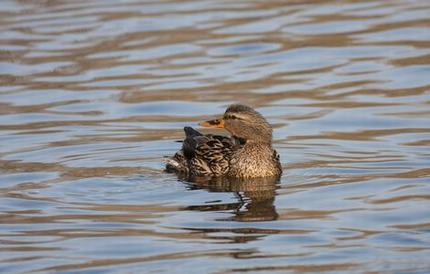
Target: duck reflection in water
x=255 y=197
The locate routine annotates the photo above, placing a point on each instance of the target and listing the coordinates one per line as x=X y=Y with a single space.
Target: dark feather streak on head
x=237 y=108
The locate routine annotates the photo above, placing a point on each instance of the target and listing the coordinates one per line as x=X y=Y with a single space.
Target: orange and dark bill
x=218 y=123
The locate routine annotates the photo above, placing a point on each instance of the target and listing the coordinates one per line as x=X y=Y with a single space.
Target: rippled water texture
x=94 y=94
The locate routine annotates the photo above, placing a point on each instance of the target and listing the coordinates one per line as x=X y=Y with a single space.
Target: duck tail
x=177 y=163
x=191 y=132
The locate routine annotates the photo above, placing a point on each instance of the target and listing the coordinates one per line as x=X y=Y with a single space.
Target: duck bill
x=217 y=123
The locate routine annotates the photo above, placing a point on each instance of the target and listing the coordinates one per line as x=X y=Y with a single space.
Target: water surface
x=94 y=94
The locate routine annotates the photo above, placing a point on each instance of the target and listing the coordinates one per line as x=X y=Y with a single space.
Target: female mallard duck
x=248 y=153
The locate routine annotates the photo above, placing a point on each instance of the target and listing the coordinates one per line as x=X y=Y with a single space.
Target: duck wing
x=207 y=155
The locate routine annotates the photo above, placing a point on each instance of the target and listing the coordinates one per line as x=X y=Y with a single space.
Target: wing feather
x=204 y=155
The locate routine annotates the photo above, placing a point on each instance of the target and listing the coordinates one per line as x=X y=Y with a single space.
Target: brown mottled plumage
x=248 y=153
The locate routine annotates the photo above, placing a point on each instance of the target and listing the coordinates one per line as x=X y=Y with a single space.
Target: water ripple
x=94 y=94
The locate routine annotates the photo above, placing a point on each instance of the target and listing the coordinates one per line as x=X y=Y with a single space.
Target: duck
x=246 y=153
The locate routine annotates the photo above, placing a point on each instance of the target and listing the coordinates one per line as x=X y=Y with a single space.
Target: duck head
x=244 y=123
